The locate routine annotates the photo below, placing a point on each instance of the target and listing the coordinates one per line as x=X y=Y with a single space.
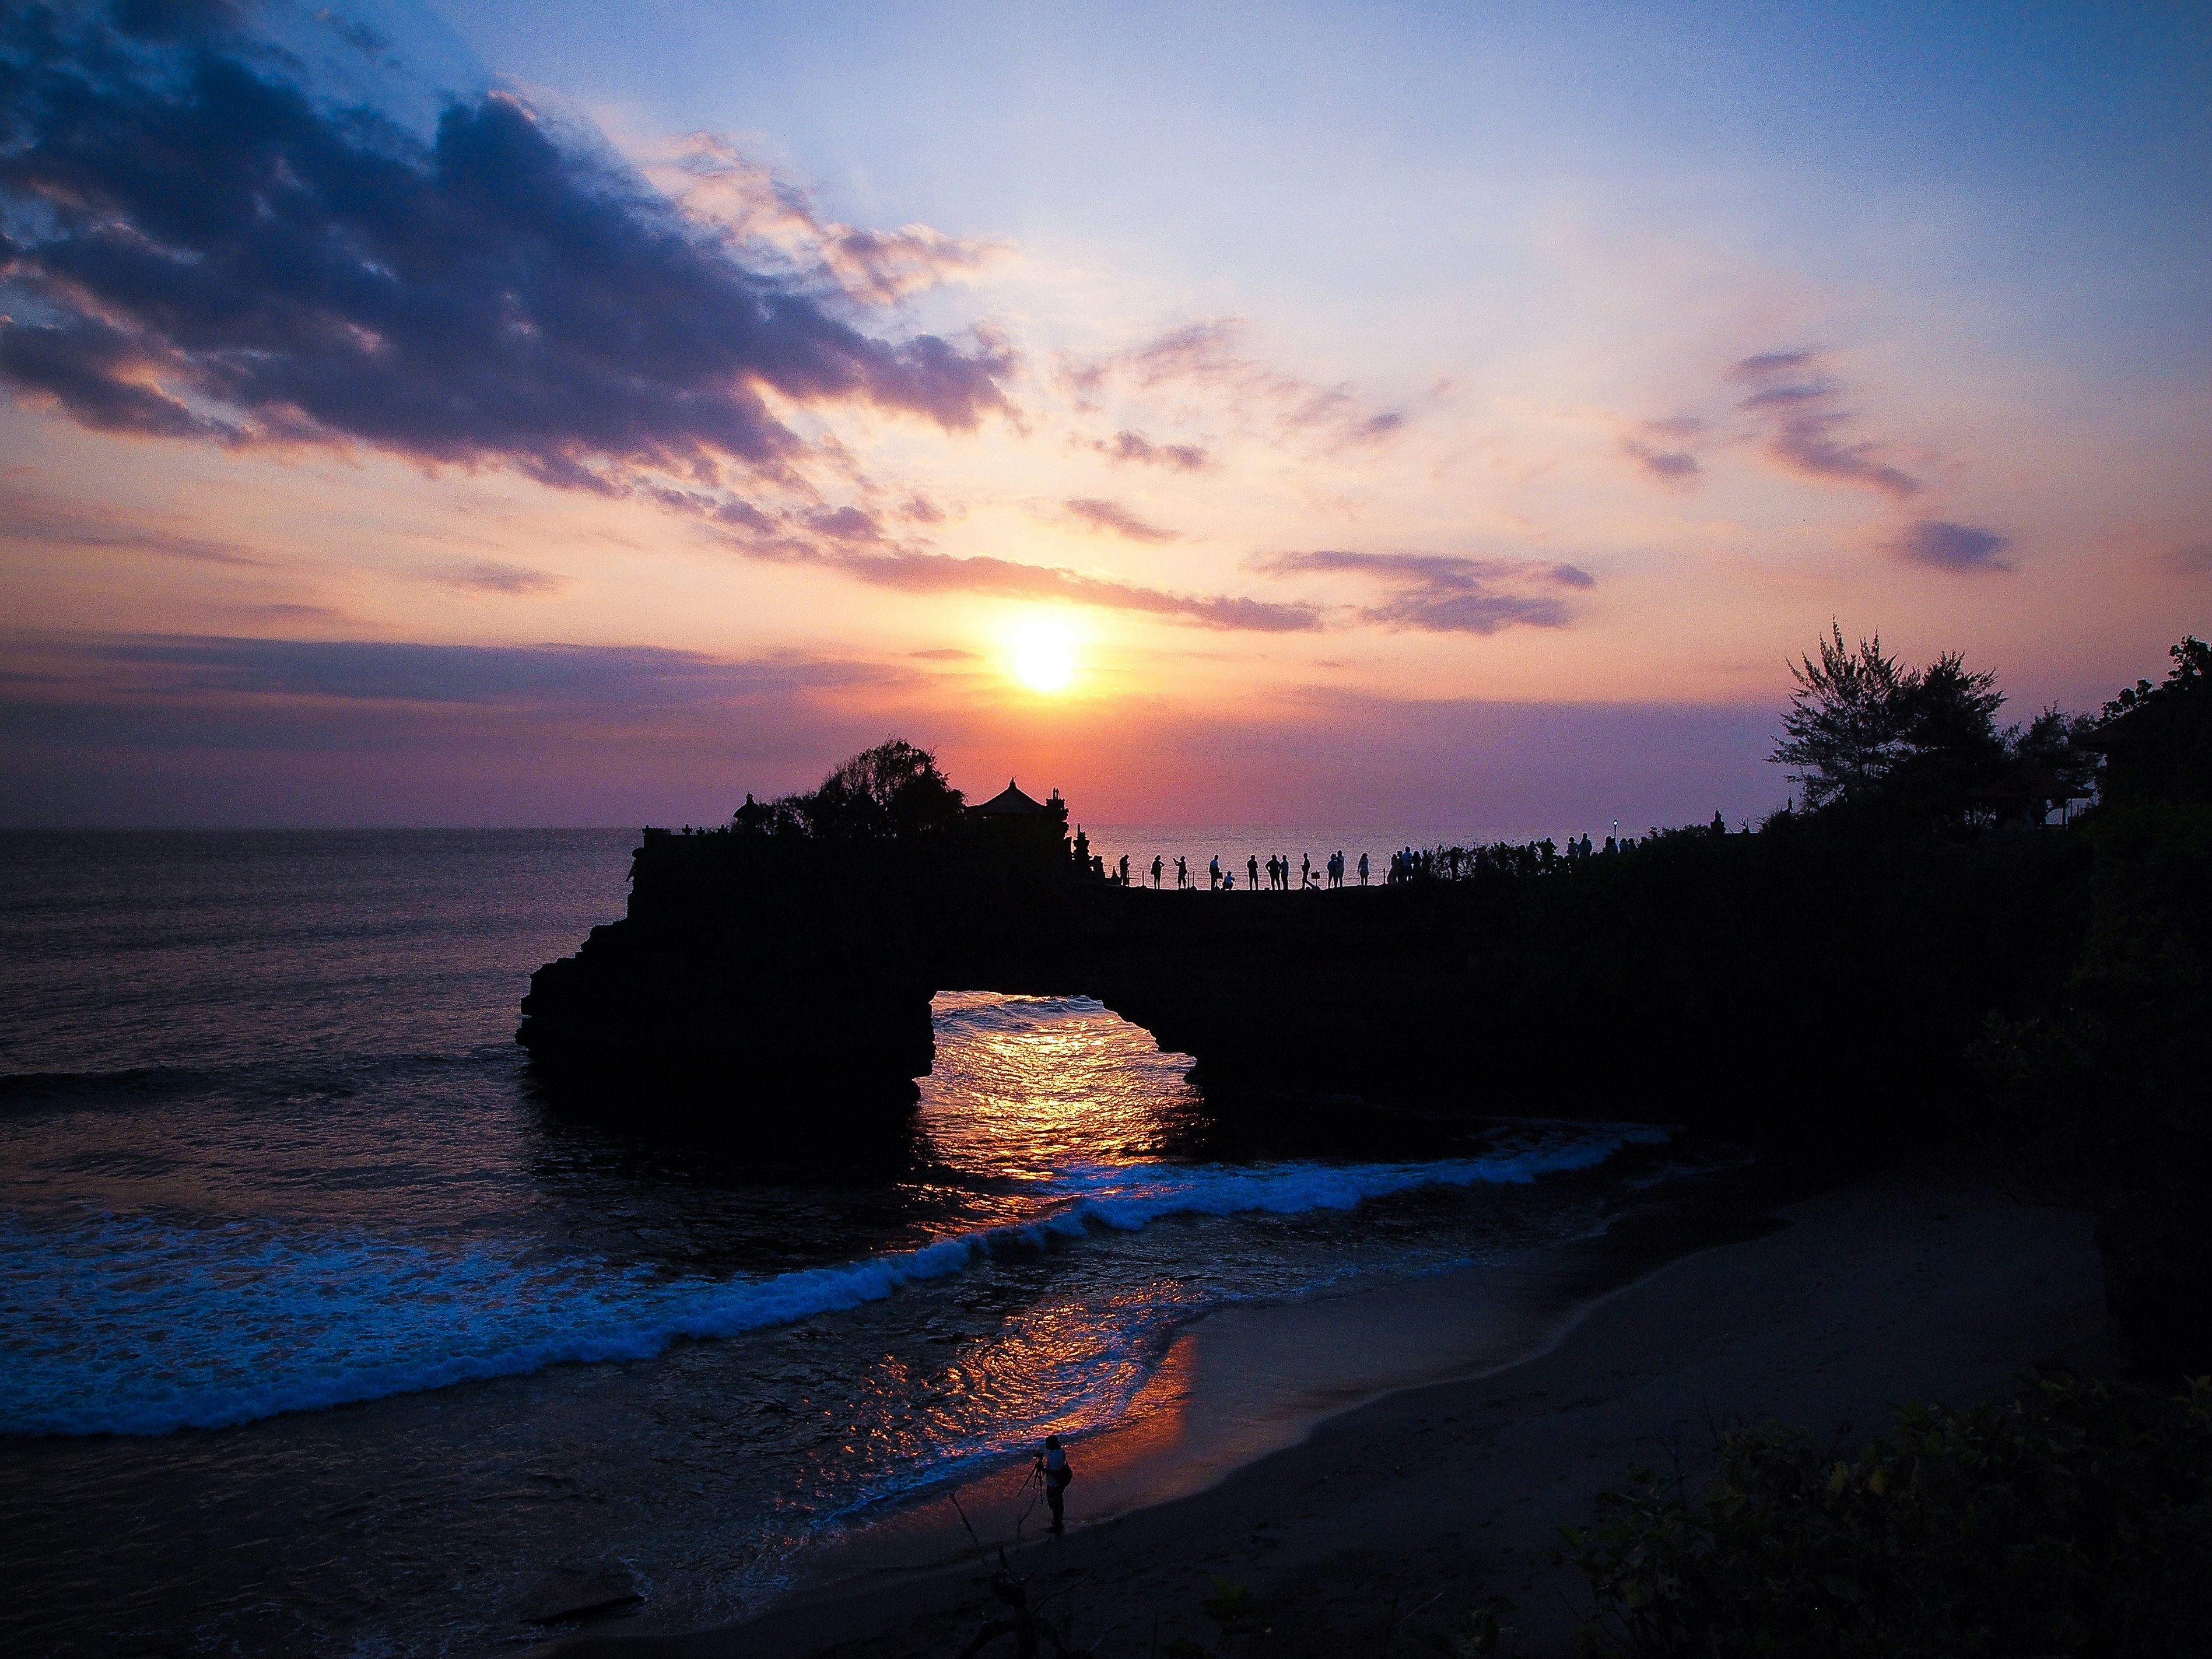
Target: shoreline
x=1244 y=1383
x=1924 y=1281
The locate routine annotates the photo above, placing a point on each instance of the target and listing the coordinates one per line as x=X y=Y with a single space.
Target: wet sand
x=1396 y=1516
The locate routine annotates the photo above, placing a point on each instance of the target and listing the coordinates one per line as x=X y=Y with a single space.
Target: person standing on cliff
x=1155 y=870
x=1252 y=873
x=1052 y=1465
x=1182 y=873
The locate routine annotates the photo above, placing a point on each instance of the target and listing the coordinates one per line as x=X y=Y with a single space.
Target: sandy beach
x=1395 y=1516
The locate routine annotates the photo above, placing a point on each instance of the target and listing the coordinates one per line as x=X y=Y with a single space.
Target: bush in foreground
x=2075 y=1520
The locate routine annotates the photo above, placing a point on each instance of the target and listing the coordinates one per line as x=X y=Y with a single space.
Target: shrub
x=2074 y=1519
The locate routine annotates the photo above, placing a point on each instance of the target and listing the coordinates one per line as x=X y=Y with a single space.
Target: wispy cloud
x=28 y=517
x=1441 y=593
x=855 y=543
x=1798 y=407
x=581 y=676
x=771 y=221
x=489 y=576
x=1134 y=446
x=1658 y=448
x=1208 y=358
x=1115 y=520
x=1943 y=545
x=915 y=572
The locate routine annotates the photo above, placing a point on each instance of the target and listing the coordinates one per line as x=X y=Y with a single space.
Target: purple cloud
x=1799 y=407
x=1943 y=545
x=1126 y=445
x=1672 y=466
x=489 y=576
x=1440 y=593
x=199 y=251
x=1115 y=520
x=846 y=524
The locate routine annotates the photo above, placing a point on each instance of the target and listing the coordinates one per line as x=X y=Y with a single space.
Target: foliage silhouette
x=2075 y=1518
x=891 y=791
x=2157 y=739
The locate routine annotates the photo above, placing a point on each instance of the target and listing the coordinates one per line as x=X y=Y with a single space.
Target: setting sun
x=1044 y=657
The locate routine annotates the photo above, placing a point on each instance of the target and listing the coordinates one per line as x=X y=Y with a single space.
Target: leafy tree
x=1845 y=731
x=1862 y=729
x=2055 y=743
x=892 y=791
x=2157 y=739
x=1947 y=714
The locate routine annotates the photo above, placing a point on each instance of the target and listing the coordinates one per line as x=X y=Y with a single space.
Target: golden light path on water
x=1028 y=1098
x=1056 y=1109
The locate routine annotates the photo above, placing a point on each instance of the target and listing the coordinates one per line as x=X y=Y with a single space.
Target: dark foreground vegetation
x=1915 y=950
x=2074 y=1519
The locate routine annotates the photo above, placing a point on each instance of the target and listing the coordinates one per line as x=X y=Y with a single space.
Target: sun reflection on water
x=1026 y=1091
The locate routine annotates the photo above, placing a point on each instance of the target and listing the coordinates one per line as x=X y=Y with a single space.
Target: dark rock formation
x=752 y=966
x=1775 y=983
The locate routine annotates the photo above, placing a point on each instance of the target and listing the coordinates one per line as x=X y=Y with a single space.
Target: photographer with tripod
x=1052 y=1466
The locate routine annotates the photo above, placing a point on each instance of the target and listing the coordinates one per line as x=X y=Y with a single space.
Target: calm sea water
x=324 y=1334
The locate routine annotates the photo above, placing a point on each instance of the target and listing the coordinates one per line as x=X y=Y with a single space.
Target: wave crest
x=128 y=1326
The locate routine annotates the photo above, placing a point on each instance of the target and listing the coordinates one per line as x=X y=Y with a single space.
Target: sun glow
x=1044 y=657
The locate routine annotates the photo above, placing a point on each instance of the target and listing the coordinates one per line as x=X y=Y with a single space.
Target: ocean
x=325 y=1333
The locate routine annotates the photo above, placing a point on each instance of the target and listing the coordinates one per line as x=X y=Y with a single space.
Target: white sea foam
x=132 y=1325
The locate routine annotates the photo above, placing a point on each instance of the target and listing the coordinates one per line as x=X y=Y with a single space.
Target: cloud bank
x=194 y=248
x=177 y=730
x=594 y=677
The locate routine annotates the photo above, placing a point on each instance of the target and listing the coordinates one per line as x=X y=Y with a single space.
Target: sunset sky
x=583 y=413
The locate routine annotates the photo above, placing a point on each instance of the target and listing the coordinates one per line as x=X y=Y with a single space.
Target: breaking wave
x=136 y=1326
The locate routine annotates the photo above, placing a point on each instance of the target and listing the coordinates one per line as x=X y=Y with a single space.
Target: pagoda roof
x=1009 y=803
